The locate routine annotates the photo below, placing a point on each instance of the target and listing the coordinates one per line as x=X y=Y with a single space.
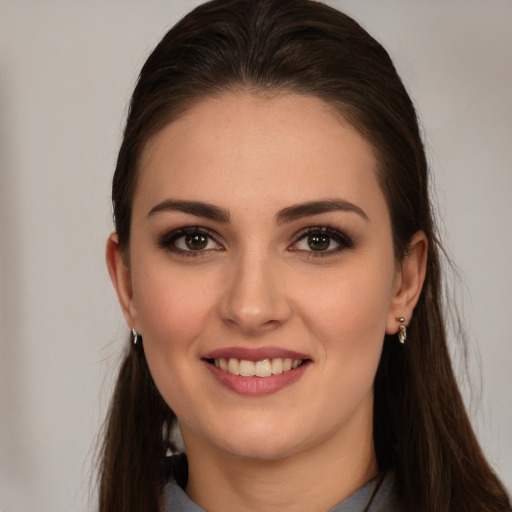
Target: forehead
x=286 y=149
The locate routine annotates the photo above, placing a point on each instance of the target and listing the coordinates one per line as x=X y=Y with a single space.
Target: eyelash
x=168 y=240
x=343 y=240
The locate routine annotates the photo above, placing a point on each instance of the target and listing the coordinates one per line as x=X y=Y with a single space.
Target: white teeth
x=234 y=366
x=263 y=368
x=246 y=368
x=277 y=366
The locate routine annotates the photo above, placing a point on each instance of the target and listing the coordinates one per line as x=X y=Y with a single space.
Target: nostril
x=255 y=300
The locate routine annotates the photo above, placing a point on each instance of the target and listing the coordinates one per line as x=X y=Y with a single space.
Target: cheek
x=172 y=306
x=348 y=323
x=173 y=311
x=348 y=313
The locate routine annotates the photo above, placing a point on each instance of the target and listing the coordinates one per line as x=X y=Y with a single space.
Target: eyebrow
x=288 y=214
x=311 y=208
x=197 y=208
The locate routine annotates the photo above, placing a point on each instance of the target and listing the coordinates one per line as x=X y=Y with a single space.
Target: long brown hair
x=421 y=429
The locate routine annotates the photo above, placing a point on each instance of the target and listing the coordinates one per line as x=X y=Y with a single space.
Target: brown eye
x=319 y=242
x=196 y=242
x=189 y=241
x=322 y=241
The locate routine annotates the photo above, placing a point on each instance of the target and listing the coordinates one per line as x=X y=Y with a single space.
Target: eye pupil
x=319 y=242
x=196 y=241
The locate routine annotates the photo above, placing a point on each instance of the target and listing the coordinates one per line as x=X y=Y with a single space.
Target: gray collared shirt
x=384 y=500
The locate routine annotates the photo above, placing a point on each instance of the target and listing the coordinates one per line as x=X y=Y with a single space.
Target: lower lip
x=257 y=386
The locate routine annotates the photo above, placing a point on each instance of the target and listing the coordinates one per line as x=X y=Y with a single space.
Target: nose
x=255 y=299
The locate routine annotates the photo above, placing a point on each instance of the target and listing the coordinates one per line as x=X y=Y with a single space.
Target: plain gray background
x=66 y=72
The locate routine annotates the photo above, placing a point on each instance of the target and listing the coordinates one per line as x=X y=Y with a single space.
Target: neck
x=317 y=478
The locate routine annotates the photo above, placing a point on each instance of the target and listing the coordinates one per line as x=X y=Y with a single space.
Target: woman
x=276 y=258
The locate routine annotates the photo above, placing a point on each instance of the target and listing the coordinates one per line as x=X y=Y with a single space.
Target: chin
x=262 y=443
x=261 y=452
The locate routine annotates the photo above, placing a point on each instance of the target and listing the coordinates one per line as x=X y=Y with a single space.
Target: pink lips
x=254 y=354
x=256 y=386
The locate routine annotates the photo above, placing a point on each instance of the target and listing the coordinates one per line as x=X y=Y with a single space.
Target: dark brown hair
x=421 y=429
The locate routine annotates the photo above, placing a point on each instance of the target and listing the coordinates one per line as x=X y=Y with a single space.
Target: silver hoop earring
x=402 y=330
x=137 y=338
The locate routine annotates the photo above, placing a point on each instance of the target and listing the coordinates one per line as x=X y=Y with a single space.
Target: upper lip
x=254 y=353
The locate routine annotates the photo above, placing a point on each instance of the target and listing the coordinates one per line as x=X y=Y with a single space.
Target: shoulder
x=386 y=498
x=378 y=495
x=175 y=500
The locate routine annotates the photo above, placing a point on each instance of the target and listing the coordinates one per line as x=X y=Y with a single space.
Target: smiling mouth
x=263 y=368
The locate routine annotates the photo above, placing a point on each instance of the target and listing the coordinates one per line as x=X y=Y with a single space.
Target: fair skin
x=250 y=278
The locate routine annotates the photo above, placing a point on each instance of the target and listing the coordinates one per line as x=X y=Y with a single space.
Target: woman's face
x=261 y=240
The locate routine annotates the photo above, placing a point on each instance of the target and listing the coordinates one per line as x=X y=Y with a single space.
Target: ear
x=121 y=279
x=408 y=282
